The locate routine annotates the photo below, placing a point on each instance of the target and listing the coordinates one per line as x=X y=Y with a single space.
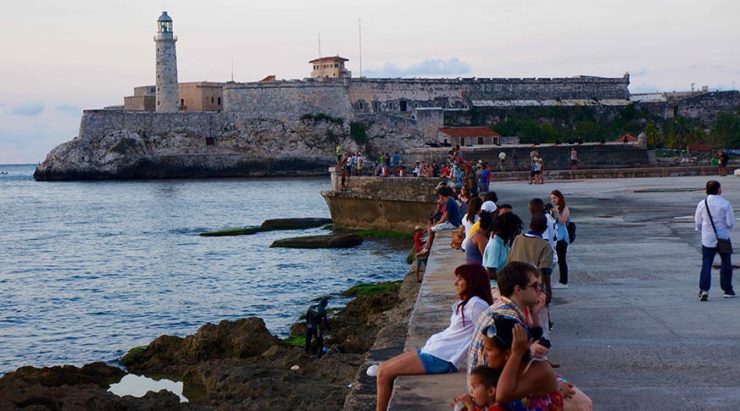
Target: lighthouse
x=167 y=98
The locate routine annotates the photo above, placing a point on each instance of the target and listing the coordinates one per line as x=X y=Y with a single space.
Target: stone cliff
x=137 y=145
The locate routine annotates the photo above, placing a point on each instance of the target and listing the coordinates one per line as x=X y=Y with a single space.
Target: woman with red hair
x=444 y=351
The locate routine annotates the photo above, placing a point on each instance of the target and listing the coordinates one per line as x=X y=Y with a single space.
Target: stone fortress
x=290 y=127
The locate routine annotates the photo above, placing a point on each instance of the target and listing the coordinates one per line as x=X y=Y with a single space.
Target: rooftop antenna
x=359 y=27
x=319 y=44
x=232 y=69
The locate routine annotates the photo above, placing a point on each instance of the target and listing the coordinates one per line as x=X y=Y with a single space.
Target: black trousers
x=561 y=248
x=313 y=332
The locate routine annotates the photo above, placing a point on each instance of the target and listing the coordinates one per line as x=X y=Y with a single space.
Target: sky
x=60 y=57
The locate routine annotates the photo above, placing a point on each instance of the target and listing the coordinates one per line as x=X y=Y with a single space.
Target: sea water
x=89 y=270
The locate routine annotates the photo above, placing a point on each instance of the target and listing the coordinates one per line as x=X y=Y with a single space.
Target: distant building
x=468 y=136
x=194 y=96
x=329 y=67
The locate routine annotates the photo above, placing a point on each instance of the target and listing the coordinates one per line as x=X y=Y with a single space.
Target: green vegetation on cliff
x=595 y=123
x=371 y=288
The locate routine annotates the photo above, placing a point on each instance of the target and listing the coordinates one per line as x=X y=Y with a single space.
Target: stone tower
x=167 y=100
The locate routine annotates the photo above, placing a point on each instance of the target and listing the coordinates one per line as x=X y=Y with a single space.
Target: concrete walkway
x=630 y=330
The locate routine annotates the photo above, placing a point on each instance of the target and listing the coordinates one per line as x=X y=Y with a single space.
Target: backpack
x=571 y=226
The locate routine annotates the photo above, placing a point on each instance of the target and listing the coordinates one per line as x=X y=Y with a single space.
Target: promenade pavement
x=630 y=331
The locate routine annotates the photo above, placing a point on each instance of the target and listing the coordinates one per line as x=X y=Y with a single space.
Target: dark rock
x=233 y=231
x=229 y=339
x=68 y=387
x=294 y=223
x=320 y=241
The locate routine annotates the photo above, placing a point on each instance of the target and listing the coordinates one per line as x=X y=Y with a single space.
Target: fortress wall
x=368 y=95
x=288 y=100
x=96 y=123
x=707 y=106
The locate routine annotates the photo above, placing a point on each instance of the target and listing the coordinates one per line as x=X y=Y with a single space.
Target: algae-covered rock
x=294 y=223
x=228 y=339
x=271 y=225
x=320 y=241
x=233 y=231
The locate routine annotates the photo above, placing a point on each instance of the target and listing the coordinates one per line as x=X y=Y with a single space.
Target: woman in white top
x=443 y=352
x=470 y=218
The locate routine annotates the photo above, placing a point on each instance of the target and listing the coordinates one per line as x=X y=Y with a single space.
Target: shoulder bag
x=724 y=246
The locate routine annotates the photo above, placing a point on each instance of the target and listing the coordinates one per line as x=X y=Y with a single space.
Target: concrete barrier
x=431 y=315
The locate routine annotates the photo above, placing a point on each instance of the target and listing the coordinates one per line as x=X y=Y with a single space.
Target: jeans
x=725 y=271
x=561 y=248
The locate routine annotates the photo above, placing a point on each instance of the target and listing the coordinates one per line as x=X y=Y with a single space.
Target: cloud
x=69 y=109
x=639 y=72
x=428 y=67
x=28 y=109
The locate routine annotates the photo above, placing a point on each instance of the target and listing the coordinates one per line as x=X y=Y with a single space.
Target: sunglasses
x=491 y=331
x=537 y=286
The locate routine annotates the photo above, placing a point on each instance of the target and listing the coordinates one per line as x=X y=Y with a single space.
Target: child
x=421 y=257
x=483 y=381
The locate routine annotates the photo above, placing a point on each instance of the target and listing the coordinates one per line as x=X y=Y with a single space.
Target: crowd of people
x=500 y=323
x=476 y=176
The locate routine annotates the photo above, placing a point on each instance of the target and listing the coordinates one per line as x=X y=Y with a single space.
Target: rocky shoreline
x=235 y=365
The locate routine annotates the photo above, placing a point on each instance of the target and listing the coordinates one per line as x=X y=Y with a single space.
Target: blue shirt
x=495 y=253
x=453 y=212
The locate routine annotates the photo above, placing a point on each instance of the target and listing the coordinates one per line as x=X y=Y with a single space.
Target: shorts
x=573 y=162
x=434 y=365
x=443 y=226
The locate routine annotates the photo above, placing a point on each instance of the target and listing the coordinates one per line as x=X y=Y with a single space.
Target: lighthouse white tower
x=167 y=100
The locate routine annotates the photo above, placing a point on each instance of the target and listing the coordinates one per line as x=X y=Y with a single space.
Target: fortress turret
x=167 y=98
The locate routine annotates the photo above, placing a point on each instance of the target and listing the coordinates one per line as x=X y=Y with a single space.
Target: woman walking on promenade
x=561 y=213
x=443 y=352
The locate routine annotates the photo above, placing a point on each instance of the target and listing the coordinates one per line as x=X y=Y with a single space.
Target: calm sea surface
x=90 y=269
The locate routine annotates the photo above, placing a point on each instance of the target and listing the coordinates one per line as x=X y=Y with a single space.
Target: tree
x=726 y=130
x=654 y=136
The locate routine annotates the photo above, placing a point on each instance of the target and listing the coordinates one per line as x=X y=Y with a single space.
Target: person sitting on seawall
x=479 y=239
x=505 y=228
x=561 y=213
x=526 y=382
x=443 y=352
x=483 y=395
x=317 y=323
x=470 y=218
x=451 y=217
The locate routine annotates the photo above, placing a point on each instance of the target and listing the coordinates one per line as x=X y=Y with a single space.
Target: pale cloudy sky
x=58 y=57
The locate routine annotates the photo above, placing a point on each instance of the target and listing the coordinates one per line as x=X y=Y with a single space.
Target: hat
x=480 y=161
x=417 y=228
x=488 y=207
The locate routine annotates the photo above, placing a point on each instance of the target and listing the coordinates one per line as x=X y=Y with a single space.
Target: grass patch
x=131 y=355
x=297 y=340
x=232 y=231
x=371 y=288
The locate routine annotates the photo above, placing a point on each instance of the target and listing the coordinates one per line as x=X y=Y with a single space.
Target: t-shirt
x=495 y=254
x=452 y=344
x=531 y=249
x=417 y=241
x=453 y=212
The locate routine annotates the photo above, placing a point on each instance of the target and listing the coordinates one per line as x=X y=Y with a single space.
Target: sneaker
x=703 y=296
x=730 y=294
x=559 y=286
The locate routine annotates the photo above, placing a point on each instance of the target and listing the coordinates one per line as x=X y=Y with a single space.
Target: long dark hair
x=507 y=226
x=477 y=283
x=474 y=205
x=561 y=199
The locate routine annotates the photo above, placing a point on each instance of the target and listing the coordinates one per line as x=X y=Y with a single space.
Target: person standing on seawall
x=561 y=213
x=715 y=219
x=573 y=158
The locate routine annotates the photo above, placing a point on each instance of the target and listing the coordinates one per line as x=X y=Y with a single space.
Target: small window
x=480 y=140
x=219 y=101
x=462 y=141
x=210 y=141
x=403 y=105
x=182 y=102
x=213 y=100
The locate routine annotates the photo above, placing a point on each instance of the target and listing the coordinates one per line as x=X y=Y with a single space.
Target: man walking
x=715 y=219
